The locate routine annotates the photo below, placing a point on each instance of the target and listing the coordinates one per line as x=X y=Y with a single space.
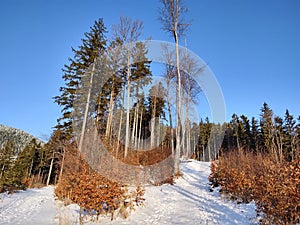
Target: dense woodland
x=131 y=112
x=269 y=134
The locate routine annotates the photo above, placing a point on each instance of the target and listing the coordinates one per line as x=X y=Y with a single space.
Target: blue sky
x=253 y=48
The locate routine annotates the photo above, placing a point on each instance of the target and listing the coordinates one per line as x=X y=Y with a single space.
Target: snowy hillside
x=18 y=138
x=189 y=201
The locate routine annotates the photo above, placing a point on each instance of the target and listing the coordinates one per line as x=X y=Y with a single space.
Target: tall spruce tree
x=255 y=135
x=268 y=129
x=289 y=128
x=93 y=45
x=6 y=162
x=246 y=132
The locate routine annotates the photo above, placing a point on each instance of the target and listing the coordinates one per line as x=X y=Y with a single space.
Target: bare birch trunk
x=133 y=134
x=171 y=127
x=110 y=114
x=140 y=132
x=86 y=109
x=62 y=165
x=153 y=124
x=120 y=126
x=128 y=103
x=50 y=170
x=136 y=128
x=178 y=119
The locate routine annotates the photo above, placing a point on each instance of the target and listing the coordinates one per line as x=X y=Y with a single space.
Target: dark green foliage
x=93 y=45
x=289 y=131
x=255 y=135
x=156 y=101
x=16 y=170
x=267 y=127
x=204 y=134
x=272 y=134
x=6 y=163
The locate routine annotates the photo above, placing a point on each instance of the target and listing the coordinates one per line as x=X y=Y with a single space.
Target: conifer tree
x=204 y=134
x=267 y=128
x=93 y=45
x=289 y=128
x=246 y=132
x=255 y=135
x=26 y=164
x=236 y=129
x=279 y=136
x=6 y=162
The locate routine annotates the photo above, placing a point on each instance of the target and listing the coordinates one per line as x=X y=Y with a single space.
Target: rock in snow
x=188 y=201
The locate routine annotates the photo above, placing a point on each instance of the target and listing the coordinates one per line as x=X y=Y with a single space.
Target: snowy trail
x=32 y=207
x=188 y=201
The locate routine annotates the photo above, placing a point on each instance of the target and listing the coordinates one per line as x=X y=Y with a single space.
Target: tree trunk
x=140 y=132
x=120 y=126
x=133 y=134
x=62 y=165
x=128 y=104
x=153 y=124
x=86 y=109
x=50 y=170
x=171 y=126
x=110 y=114
x=178 y=106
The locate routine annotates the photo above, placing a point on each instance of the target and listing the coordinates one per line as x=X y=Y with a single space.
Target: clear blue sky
x=253 y=48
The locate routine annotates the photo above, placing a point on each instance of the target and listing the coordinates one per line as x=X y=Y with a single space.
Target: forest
x=115 y=110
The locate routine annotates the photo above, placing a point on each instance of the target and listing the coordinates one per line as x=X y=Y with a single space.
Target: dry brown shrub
x=274 y=186
x=145 y=158
x=90 y=190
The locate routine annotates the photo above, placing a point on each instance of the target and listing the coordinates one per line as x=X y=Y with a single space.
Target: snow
x=33 y=206
x=188 y=201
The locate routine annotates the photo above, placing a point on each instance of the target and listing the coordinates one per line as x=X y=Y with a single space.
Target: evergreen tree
x=6 y=162
x=267 y=129
x=279 y=136
x=289 y=129
x=53 y=157
x=246 y=132
x=236 y=129
x=204 y=135
x=93 y=45
x=255 y=135
x=26 y=164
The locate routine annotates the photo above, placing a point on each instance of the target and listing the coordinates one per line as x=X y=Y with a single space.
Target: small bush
x=93 y=192
x=274 y=186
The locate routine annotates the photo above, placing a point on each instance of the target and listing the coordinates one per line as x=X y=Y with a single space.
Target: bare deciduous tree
x=127 y=31
x=171 y=15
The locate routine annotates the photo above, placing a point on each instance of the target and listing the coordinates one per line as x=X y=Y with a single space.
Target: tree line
x=270 y=134
x=34 y=166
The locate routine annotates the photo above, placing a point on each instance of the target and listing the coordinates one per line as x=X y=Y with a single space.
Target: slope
x=19 y=138
x=189 y=201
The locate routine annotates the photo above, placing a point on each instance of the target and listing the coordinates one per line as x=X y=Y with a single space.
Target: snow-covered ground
x=33 y=206
x=189 y=201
